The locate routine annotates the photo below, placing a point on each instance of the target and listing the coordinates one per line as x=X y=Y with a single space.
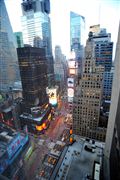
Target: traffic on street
x=44 y=152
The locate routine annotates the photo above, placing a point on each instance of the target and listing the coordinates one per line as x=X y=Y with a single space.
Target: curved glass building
x=77 y=37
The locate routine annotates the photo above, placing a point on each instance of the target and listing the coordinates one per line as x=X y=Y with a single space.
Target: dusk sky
x=103 y=12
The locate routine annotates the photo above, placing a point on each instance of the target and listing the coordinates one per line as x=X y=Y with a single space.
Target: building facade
x=10 y=110
x=88 y=95
x=59 y=68
x=103 y=55
x=9 y=68
x=19 y=39
x=77 y=37
x=103 y=48
x=33 y=70
x=37 y=29
x=112 y=146
x=38 y=120
x=107 y=84
x=12 y=151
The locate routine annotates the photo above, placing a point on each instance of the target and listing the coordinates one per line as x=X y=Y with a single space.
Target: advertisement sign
x=70 y=92
x=53 y=101
x=14 y=146
x=72 y=71
x=72 y=64
x=70 y=82
x=52 y=93
x=70 y=99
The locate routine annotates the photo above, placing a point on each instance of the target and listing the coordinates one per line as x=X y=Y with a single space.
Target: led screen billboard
x=70 y=92
x=72 y=71
x=70 y=99
x=52 y=93
x=70 y=82
x=72 y=64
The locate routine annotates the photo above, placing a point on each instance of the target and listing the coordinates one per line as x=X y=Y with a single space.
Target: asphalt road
x=52 y=134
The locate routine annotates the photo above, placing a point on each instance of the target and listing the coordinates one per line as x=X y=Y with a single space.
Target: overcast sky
x=105 y=12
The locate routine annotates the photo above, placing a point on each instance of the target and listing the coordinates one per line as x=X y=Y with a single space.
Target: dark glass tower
x=33 y=70
x=9 y=69
x=37 y=29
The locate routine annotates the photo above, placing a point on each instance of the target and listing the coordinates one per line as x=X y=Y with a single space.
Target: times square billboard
x=70 y=82
x=70 y=92
x=72 y=64
x=52 y=93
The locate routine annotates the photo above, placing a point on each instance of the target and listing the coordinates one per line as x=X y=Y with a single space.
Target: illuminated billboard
x=52 y=93
x=40 y=128
x=70 y=99
x=72 y=64
x=72 y=71
x=70 y=82
x=14 y=145
x=70 y=92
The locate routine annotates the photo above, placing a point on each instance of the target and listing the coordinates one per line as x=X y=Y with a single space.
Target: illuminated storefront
x=37 y=123
x=45 y=125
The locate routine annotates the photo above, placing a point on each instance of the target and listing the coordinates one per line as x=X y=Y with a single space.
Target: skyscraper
x=9 y=69
x=59 y=68
x=103 y=48
x=108 y=79
x=103 y=55
x=87 y=100
x=112 y=146
x=33 y=70
x=37 y=29
x=19 y=39
x=77 y=36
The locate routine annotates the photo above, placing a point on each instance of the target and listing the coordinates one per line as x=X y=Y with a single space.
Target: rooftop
x=36 y=115
x=79 y=161
x=6 y=136
x=51 y=160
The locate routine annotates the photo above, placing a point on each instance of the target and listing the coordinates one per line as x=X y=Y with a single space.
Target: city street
x=41 y=143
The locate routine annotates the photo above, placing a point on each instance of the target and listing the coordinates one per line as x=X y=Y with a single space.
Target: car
x=89 y=148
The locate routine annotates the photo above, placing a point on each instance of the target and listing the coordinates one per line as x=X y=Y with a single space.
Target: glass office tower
x=19 y=39
x=103 y=49
x=37 y=29
x=77 y=36
x=9 y=70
